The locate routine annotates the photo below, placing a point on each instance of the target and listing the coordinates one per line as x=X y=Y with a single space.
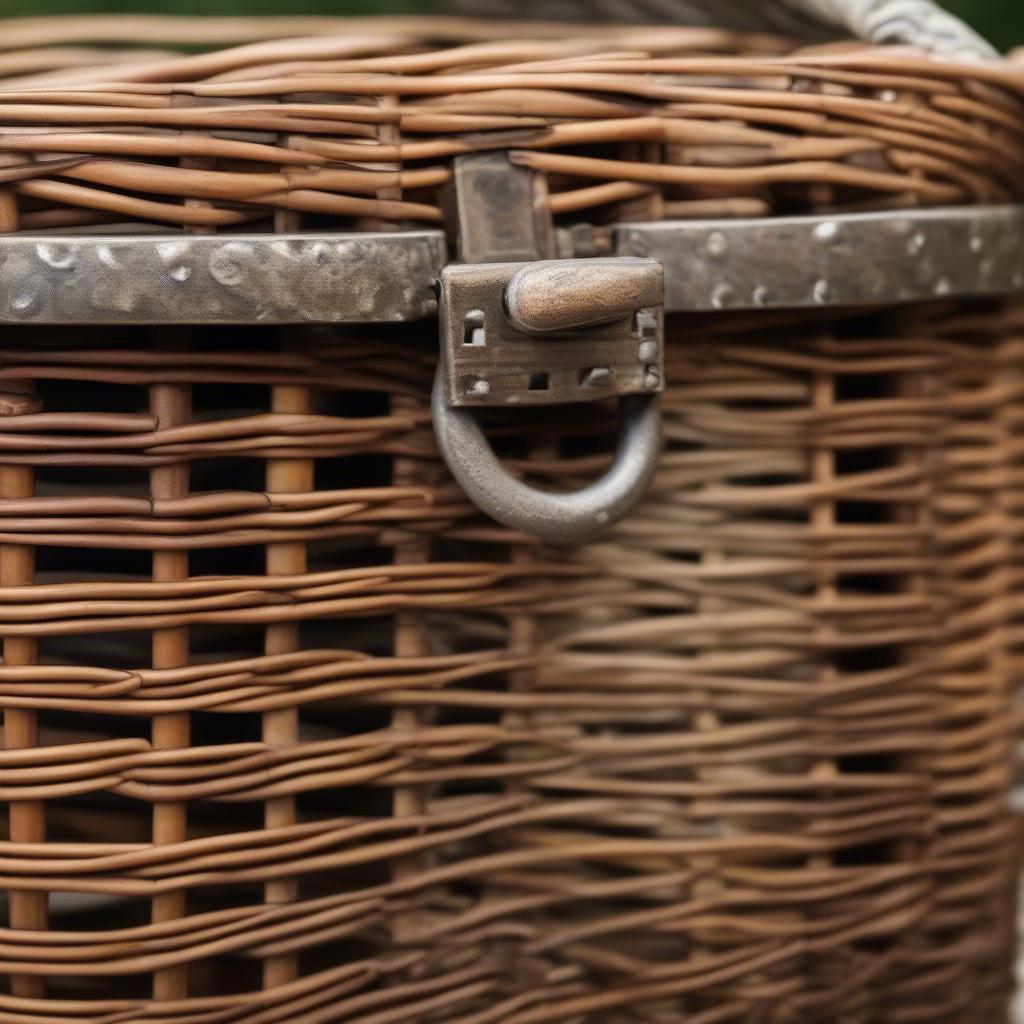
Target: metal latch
x=538 y=331
x=553 y=332
x=549 y=333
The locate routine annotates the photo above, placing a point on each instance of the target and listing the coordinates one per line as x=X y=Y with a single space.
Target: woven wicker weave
x=654 y=116
x=295 y=735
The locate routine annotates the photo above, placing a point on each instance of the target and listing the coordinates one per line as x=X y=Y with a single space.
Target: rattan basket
x=294 y=732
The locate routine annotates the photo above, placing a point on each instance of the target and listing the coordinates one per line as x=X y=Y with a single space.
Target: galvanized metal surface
x=487 y=359
x=871 y=259
x=240 y=279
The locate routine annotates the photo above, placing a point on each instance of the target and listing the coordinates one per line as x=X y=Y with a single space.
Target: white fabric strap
x=920 y=23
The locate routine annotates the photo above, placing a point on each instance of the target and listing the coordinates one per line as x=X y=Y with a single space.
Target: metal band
x=240 y=279
x=878 y=259
x=870 y=259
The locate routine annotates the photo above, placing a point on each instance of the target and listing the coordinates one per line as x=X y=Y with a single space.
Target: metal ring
x=555 y=518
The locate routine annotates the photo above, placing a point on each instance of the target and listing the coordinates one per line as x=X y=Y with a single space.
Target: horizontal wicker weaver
x=362 y=129
x=292 y=734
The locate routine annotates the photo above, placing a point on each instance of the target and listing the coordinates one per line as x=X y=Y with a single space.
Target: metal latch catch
x=551 y=332
x=519 y=328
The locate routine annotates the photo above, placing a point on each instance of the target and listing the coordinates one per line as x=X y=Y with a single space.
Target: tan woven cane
x=295 y=734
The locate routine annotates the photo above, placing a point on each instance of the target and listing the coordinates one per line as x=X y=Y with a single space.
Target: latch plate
x=524 y=334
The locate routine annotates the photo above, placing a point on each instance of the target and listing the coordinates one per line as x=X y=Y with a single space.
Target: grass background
x=1000 y=20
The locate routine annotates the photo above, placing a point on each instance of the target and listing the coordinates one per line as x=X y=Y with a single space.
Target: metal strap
x=869 y=259
x=239 y=279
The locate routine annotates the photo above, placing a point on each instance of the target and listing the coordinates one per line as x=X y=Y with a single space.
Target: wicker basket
x=294 y=733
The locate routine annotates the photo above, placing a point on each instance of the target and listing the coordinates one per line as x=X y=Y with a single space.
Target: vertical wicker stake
x=9 y=218
x=27 y=910
x=410 y=640
x=823 y=517
x=171 y=406
x=823 y=522
x=281 y=726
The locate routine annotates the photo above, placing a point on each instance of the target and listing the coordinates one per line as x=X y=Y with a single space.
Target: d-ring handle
x=555 y=518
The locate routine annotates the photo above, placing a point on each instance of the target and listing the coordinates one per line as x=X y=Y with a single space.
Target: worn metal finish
x=541 y=333
x=487 y=359
x=519 y=329
x=564 y=295
x=802 y=262
x=239 y=279
x=550 y=517
x=498 y=212
x=871 y=259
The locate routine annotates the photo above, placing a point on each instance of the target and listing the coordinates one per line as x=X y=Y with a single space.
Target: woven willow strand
x=293 y=735
x=756 y=126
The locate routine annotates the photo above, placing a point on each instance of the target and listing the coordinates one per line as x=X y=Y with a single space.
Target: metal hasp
x=867 y=259
x=239 y=279
x=520 y=329
x=551 y=333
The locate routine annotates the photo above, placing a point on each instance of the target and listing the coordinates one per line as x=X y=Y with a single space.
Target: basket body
x=294 y=734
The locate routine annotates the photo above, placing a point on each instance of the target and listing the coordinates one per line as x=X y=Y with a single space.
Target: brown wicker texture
x=292 y=734
x=362 y=130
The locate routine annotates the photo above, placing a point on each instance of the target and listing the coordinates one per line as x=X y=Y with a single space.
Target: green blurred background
x=1000 y=20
